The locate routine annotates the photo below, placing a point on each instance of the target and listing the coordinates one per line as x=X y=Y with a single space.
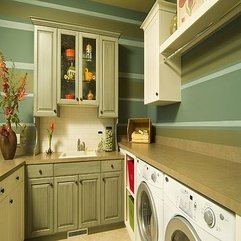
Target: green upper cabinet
x=75 y=66
x=109 y=77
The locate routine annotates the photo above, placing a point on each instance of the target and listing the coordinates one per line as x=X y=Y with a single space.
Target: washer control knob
x=209 y=217
x=153 y=177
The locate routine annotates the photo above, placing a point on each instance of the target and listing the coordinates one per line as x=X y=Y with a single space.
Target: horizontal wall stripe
x=131 y=75
x=138 y=44
x=80 y=11
x=131 y=99
x=231 y=123
x=19 y=65
x=222 y=72
x=16 y=25
x=29 y=95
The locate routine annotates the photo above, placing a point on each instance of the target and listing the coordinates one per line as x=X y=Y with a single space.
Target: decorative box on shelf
x=139 y=130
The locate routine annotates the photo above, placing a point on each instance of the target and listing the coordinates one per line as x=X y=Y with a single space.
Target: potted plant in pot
x=13 y=91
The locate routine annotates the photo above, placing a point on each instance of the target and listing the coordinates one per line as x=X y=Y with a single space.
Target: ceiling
x=137 y=5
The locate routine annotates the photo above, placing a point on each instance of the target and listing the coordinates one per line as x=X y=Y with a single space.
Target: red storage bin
x=131 y=174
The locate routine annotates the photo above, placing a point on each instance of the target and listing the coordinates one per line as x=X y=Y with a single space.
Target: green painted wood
x=40 y=207
x=66 y=203
x=89 y=200
x=111 y=197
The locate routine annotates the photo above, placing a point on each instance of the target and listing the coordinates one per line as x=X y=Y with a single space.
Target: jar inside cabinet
x=89 y=69
x=69 y=74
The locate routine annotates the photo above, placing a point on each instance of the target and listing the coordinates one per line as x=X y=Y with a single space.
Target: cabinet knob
x=112 y=166
x=81 y=99
x=40 y=172
x=11 y=201
x=103 y=180
x=156 y=94
x=55 y=111
x=77 y=98
x=17 y=178
x=81 y=182
x=2 y=190
x=101 y=112
x=76 y=182
x=51 y=184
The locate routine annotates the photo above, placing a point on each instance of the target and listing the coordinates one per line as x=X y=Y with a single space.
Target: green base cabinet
x=63 y=197
x=40 y=207
x=89 y=200
x=12 y=207
x=111 y=197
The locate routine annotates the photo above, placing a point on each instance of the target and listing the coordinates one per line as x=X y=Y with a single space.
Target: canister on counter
x=108 y=139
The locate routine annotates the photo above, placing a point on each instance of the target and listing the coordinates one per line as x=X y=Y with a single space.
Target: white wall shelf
x=211 y=16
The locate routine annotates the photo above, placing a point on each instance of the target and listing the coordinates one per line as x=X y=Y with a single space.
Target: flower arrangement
x=13 y=91
x=50 y=135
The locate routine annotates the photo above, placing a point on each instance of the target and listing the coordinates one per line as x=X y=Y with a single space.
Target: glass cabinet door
x=89 y=69
x=68 y=67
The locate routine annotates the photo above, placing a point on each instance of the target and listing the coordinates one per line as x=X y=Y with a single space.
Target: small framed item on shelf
x=185 y=8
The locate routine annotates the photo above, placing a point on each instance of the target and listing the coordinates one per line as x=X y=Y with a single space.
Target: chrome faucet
x=80 y=145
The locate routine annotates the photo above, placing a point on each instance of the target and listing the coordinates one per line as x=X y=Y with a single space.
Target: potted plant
x=13 y=91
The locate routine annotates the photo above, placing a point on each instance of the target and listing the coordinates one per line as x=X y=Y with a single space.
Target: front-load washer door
x=179 y=229
x=146 y=214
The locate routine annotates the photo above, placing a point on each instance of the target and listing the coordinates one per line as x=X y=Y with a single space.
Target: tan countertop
x=9 y=166
x=217 y=179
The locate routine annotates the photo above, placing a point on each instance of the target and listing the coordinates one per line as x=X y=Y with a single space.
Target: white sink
x=76 y=154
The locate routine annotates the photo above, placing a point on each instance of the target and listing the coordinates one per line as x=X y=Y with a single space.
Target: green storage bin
x=131 y=212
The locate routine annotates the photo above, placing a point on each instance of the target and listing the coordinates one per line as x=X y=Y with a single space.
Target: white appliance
x=149 y=203
x=188 y=216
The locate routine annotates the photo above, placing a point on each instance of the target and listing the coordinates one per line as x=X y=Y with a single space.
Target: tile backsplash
x=73 y=123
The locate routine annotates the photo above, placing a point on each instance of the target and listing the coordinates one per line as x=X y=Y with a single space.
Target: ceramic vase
x=8 y=145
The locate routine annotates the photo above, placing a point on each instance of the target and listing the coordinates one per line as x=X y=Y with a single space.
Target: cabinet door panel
x=16 y=214
x=109 y=78
x=89 y=200
x=4 y=219
x=66 y=205
x=45 y=103
x=40 y=207
x=111 y=198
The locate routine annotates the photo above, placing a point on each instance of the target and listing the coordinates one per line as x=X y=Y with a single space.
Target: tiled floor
x=114 y=235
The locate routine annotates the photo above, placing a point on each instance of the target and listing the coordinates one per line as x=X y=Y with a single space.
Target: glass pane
x=178 y=235
x=67 y=66
x=89 y=69
x=147 y=217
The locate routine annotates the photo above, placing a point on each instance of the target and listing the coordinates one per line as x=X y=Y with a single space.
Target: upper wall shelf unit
x=212 y=15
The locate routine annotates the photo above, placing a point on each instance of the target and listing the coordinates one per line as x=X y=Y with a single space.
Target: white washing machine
x=149 y=203
x=188 y=216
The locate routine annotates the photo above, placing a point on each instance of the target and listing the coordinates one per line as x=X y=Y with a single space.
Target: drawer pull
x=40 y=172
x=112 y=166
x=2 y=190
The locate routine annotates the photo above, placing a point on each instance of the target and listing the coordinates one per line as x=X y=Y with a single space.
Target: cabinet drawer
x=42 y=170
x=76 y=168
x=111 y=165
x=10 y=182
